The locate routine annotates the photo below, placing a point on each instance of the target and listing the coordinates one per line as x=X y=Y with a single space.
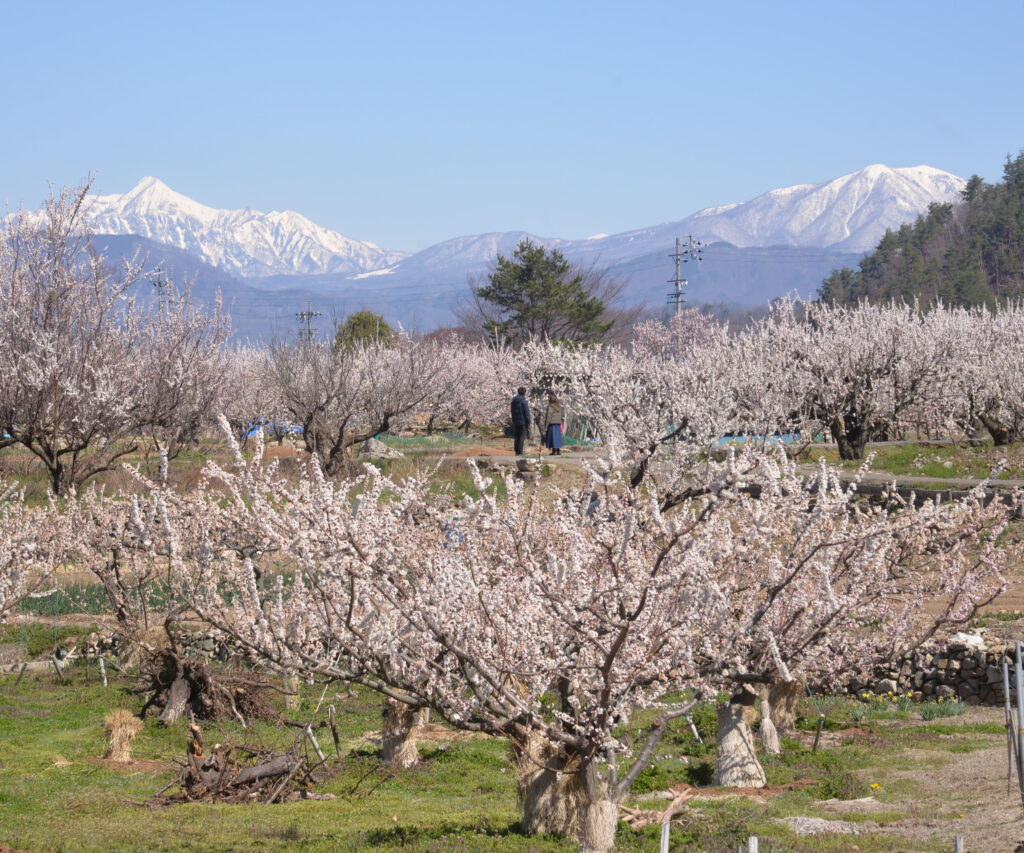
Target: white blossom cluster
x=562 y=613
x=34 y=543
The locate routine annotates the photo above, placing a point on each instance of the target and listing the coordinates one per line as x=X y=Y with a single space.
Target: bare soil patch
x=136 y=765
x=480 y=450
x=283 y=451
x=752 y=793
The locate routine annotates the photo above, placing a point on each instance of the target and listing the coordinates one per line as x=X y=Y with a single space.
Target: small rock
x=373 y=448
x=964 y=640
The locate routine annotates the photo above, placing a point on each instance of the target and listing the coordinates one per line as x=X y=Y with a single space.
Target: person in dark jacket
x=553 y=425
x=521 y=420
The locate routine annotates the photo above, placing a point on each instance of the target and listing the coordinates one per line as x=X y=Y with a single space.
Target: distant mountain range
x=268 y=266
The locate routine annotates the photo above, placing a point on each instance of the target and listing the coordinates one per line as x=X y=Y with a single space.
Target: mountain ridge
x=784 y=240
x=245 y=243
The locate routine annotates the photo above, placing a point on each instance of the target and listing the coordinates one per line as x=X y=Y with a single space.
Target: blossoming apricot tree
x=551 y=620
x=85 y=367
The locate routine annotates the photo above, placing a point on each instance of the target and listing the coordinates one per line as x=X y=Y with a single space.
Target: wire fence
x=446 y=440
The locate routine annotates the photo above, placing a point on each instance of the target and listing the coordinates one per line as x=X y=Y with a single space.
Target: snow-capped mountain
x=784 y=241
x=850 y=213
x=244 y=243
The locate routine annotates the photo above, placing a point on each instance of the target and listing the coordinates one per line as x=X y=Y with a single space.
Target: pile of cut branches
x=180 y=685
x=227 y=773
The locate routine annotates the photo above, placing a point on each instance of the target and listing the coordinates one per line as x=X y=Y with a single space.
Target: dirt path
x=971 y=784
x=959 y=793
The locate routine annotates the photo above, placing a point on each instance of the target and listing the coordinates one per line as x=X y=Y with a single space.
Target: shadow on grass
x=401 y=835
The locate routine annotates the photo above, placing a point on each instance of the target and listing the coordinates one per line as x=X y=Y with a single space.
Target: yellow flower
x=876 y=786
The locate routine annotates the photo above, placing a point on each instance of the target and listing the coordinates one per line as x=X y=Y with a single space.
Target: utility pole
x=692 y=251
x=306 y=317
x=162 y=286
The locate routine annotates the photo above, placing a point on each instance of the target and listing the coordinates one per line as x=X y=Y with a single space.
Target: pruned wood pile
x=227 y=773
x=180 y=685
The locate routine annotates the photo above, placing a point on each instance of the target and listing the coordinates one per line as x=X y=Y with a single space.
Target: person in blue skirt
x=553 y=418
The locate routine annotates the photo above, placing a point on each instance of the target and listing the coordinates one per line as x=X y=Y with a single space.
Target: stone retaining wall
x=210 y=645
x=971 y=672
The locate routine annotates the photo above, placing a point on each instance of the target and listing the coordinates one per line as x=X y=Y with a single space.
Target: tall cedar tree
x=539 y=294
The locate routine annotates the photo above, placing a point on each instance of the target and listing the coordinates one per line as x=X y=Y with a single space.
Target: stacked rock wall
x=970 y=672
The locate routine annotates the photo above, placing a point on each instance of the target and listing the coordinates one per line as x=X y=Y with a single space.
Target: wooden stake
x=334 y=730
x=57 y=668
x=316 y=746
x=817 y=734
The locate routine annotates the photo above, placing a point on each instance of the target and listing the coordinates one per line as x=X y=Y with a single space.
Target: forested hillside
x=969 y=253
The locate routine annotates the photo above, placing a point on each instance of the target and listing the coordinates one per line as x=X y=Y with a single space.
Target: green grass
x=992 y=617
x=89 y=597
x=39 y=639
x=56 y=796
x=941 y=708
x=924 y=459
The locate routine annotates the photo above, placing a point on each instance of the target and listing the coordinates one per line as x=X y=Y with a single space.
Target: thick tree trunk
x=1001 y=434
x=769 y=734
x=736 y=764
x=398 y=734
x=557 y=803
x=293 y=698
x=596 y=826
x=782 y=697
x=540 y=787
x=850 y=437
x=177 y=701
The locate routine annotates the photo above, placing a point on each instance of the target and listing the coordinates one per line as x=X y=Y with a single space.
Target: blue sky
x=408 y=123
